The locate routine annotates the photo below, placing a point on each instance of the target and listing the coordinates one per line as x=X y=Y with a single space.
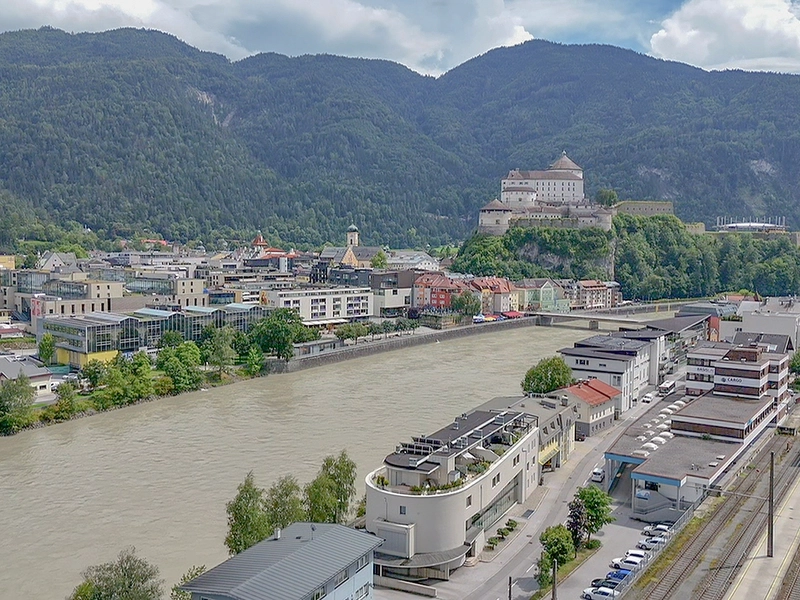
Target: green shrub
x=593 y=544
x=503 y=532
x=511 y=524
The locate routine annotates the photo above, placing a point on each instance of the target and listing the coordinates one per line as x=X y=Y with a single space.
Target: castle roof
x=496 y=205
x=549 y=174
x=352 y=229
x=564 y=163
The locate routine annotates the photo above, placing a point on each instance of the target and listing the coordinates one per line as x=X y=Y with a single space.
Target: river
x=157 y=476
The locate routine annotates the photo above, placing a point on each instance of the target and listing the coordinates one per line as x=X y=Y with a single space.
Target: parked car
x=647 y=398
x=599 y=593
x=607 y=582
x=651 y=542
x=625 y=562
x=621 y=574
x=637 y=553
x=654 y=530
x=598 y=475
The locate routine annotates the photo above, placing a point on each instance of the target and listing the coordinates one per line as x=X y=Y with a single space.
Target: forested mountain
x=133 y=131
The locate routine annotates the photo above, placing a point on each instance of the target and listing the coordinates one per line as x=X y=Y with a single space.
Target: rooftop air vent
x=721 y=457
x=713 y=464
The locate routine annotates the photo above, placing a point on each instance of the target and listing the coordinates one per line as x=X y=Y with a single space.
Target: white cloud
x=733 y=34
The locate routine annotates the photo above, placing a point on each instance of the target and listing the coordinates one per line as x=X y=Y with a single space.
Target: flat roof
x=688 y=456
x=716 y=407
x=677 y=324
x=593 y=353
x=612 y=343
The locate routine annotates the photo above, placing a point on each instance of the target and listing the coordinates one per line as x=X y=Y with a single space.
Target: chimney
x=277 y=533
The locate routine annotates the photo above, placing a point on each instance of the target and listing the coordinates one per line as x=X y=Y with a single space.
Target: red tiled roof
x=593 y=391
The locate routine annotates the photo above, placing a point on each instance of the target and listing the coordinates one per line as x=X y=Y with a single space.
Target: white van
x=598 y=475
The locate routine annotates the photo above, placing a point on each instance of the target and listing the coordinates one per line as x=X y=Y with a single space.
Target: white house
x=319 y=306
x=434 y=500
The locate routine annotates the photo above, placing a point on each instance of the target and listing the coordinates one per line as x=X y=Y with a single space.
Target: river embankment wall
x=405 y=340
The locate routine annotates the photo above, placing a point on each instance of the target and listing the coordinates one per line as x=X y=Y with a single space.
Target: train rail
x=691 y=554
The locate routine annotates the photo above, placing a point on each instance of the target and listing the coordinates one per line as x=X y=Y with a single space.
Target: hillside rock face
x=131 y=130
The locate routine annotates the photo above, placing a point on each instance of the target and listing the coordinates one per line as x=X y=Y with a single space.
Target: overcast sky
x=432 y=36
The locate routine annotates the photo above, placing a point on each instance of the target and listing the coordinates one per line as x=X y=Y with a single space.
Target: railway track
x=715 y=584
x=690 y=557
x=790 y=587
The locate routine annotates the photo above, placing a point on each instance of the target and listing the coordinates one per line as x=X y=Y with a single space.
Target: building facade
x=434 y=499
x=322 y=306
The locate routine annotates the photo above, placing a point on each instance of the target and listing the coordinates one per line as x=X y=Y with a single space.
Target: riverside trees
x=16 y=400
x=129 y=577
x=549 y=374
x=254 y=513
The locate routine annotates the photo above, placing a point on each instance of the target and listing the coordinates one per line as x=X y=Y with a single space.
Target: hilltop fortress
x=553 y=198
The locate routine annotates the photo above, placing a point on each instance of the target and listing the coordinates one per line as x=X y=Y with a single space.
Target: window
x=495 y=480
x=362 y=562
x=362 y=592
x=402 y=510
x=515 y=461
x=319 y=593
x=340 y=578
x=469 y=501
x=582 y=362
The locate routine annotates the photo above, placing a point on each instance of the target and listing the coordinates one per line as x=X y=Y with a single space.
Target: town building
x=437 y=290
x=411 y=260
x=595 y=400
x=541 y=294
x=435 y=499
x=497 y=294
x=40 y=377
x=733 y=394
x=325 y=305
x=772 y=315
x=305 y=561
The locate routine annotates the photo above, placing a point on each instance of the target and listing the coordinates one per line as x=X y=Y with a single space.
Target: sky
x=433 y=36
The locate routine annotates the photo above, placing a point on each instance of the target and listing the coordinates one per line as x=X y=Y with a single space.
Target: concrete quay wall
x=403 y=340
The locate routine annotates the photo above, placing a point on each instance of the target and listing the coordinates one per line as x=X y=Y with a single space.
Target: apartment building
x=435 y=499
x=324 y=306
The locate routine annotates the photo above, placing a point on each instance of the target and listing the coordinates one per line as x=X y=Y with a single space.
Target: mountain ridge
x=133 y=130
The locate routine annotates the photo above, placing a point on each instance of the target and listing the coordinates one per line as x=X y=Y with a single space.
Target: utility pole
x=509 y=587
x=771 y=517
x=555 y=576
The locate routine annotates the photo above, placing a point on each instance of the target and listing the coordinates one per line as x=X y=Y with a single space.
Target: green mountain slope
x=133 y=130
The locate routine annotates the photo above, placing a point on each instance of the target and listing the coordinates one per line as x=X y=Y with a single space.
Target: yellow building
x=8 y=261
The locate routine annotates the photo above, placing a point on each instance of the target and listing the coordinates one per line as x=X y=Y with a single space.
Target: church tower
x=352 y=235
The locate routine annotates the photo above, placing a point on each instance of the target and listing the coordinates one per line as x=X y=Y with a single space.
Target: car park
x=655 y=530
x=607 y=582
x=626 y=562
x=620 y=574
x=599 y=593
x=651 y=542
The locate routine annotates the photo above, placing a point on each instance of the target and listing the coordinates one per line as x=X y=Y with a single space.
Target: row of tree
x=589 y=512
x=355 y=331
x=255 y=513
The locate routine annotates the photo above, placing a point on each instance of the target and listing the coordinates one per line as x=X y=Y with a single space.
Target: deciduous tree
x=47 y=348
x=549 y=374
x=177 y=593
x=248 y=522
x=127 y=578
x=283 y=502
x=466 y=303
x=598 y=508
x=577 y=522
x=557 y=543
x=94 y=371
x=16 y=401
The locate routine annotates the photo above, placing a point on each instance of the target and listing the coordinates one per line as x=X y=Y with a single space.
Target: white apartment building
x=436 y=499
x=617 y=370
x=321 y=306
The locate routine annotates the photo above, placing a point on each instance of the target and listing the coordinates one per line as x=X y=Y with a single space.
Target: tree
x=320 y=499
x=66 y=401
x=177 y=593
x=606 y=197
x=549 y=374
x=189 y=354
x=598 y=508
x=170 y=339
x=47 y=348
x=140 y=379
x=283 y=503
x=577 y=522
x=342 y=472
x=794 y=365
x=127 y=578
x=374 y=328
x=557 y=544
x=219 y=348
x=94 y=371
x=241 y=343
x=16 y=402
x=466 y=303
x=254 y=361
x=379 y=261
x=116 y=389
x=248 y=523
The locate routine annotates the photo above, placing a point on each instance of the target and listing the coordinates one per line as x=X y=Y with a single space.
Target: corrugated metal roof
x=154 y=312
x=290 y=568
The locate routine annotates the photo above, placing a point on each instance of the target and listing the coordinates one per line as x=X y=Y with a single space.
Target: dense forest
x=133 y=131
x=652 y=258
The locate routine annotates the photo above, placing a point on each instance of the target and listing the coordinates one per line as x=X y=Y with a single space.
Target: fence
x=627 y=583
